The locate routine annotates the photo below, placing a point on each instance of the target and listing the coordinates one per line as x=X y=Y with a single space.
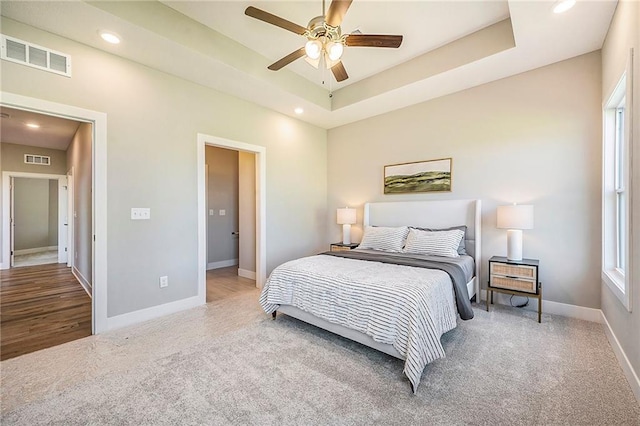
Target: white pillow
x=436 y=243
x=384 y=238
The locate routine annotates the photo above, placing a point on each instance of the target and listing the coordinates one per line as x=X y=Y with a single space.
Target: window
x=616 y=205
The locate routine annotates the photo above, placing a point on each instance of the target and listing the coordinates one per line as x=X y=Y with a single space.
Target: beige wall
x=531 y=138
x=152 y=124
x=624 y=34
x=31 y=213
x=247 y=210
x=13 y=158
x=79 y=160
x=223 y=195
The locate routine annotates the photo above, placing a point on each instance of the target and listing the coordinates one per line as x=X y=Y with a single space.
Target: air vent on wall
x=41 y=160
x=35 y=56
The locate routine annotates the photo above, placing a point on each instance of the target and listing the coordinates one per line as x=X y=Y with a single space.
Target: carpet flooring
x=227 y=363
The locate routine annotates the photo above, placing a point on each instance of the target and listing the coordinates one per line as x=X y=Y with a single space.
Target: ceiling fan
x=325 y=41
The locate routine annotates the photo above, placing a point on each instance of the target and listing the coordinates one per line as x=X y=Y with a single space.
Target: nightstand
x=515 y=277
x=343 y=247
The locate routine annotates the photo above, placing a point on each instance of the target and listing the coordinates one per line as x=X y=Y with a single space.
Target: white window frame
x=614 y=185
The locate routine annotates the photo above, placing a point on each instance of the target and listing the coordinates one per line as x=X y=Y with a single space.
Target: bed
x=397 y=303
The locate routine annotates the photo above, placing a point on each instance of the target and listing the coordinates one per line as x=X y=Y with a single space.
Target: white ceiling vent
x=35 y=56
x=41 y=160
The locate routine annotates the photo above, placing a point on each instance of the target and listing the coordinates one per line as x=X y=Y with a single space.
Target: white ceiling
x=54 y=132
x=214 y=44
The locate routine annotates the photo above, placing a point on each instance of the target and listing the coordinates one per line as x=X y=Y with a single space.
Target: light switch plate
x=138 y=213
x=210 y=212
x=223 y=212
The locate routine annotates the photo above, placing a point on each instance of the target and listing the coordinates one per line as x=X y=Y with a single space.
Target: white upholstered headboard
x=432 y=214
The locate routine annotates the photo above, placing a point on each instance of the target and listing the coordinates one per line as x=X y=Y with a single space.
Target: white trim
x=34 y=250
x=82 y=280
x=6 y=205
x=99 y=169
x=63 y=195
x=550 y=307
x=261 y=206
x=625 y=364
x=246 y=274
x=152 y=312
x=222 y=264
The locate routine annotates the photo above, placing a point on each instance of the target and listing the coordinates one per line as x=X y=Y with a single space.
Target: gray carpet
x=501 y=368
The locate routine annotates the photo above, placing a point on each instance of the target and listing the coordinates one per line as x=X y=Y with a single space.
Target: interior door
x=12 y=225
x=69 y=217
x=63 y=220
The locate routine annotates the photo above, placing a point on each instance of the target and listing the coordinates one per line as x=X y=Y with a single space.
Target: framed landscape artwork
x=421 y=176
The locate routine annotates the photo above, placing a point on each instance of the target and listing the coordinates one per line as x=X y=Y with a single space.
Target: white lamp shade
x=346 y=216
x=334 y=50
x=516 y=216
x=313 y=48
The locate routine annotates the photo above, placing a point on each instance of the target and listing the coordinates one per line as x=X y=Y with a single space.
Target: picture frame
x=418 y=176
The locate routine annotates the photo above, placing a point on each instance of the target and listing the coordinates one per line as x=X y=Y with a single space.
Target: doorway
x=231 y=218
x=37 y=218
x=95 y=228
x=257 y=206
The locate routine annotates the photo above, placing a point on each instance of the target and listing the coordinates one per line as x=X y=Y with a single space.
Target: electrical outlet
x=222 y=212
x=164 y=281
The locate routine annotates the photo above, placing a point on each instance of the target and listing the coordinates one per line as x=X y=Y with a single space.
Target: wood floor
x=41 y=306
x=225 y=282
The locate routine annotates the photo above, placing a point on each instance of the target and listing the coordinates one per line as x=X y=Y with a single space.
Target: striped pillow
x=384 y=238
x=436 y=243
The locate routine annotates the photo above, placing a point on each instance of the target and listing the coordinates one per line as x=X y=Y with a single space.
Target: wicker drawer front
x=509 y=283
x=339 y=248
x=520 y=271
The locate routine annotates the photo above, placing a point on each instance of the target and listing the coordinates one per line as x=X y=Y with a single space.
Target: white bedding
x=407 y=307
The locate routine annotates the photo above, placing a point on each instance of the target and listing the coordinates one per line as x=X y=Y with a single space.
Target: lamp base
x=346 y=234
x=514 y=244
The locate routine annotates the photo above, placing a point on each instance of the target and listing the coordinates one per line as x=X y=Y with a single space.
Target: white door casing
x=99 y=191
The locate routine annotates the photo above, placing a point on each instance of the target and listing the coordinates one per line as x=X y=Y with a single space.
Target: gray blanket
x=455 y=272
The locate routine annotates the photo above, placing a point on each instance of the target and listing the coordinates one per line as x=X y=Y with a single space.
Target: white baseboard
x=246 y=274
x=549 y=307
x=34 y=250
x=153 y=312
x=626 y=366
x=222 y=264
x=83 y=281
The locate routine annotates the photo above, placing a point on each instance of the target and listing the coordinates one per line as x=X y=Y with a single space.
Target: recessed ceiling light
x=33 y=125
x=298 y=110
x=563 y=6
x=109 y=37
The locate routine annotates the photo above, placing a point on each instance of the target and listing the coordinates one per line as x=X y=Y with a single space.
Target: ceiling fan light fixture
x=334 y=50
x=313 y=49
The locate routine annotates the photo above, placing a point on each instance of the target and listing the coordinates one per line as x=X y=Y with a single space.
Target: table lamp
x=346 y=217
x=515 y=218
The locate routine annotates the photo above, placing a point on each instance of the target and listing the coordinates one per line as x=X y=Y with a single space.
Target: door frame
x=70 y=220
x=8 y=208
x=99 y=185
x=261 y=206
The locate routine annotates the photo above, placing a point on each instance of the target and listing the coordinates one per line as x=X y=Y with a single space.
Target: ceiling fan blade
x=296 y=54
x=336 y=12
x=339 y=72
x=274 y=20
x=373 y=40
